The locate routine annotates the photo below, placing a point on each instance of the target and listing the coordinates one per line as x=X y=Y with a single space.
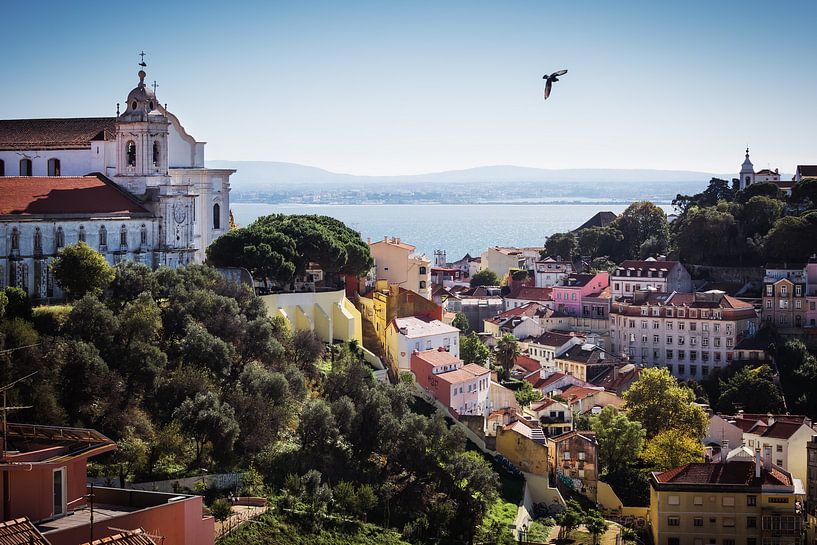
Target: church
x=134 y=187
x=748 y=176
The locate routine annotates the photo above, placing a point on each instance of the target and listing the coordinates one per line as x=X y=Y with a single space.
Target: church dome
x=141 y=100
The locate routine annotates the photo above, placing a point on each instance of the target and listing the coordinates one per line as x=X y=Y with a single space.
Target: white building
x=413 y=334
x=144 y=153
x=549 y=272
x=689 y=333
x=662 y=276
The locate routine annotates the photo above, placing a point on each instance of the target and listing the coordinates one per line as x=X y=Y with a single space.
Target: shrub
x=221 y=509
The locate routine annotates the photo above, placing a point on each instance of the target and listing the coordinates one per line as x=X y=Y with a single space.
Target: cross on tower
x=142 y=56
x=155 y=85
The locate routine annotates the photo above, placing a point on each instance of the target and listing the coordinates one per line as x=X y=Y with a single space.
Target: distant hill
x=254 y=175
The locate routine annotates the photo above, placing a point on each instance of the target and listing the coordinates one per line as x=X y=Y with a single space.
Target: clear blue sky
x=393 y=87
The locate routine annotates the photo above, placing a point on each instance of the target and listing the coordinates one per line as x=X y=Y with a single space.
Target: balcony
x=178 y=518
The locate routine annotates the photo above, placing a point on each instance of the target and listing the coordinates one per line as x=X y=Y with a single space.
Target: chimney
x=368 y=240
x=724 y=450
x=769 y=419
x=757 y=463
x=767 y=458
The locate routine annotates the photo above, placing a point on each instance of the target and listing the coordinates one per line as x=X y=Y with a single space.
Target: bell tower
x=141 y=141
x=747 y=172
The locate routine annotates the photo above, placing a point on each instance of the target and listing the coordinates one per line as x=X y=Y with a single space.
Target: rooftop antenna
x=5 y=408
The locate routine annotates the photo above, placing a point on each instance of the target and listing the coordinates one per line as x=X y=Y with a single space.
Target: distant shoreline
x=437 y=203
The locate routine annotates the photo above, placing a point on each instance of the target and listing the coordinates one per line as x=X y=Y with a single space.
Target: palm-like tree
x=507 y=350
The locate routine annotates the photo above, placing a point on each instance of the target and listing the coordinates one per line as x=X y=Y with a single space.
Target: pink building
x=569 y=296
x=461 y=388
x=44 y=475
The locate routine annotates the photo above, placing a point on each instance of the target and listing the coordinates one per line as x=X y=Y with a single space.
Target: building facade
x=784 y=297
x=569 y=296
x=661 y=276
x=738 y=502
x=397 y=263
x=689 y=333
x=405 y=336
x=549 y=272
x=145 y=153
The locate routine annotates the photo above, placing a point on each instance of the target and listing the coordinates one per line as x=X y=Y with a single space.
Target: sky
x=406 y=87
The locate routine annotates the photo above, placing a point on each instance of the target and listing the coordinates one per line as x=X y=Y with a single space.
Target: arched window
x=60 y=237
x=82 y=233
x=123 y=236
x=25 y=167
x=133 y=105
x=130 y=151
x=143 y=235
x=2 y=168
x=103 y=237
x=53 y=167
x=216 y=216
x=38 y=240
x=15 y=239
x=156 y=153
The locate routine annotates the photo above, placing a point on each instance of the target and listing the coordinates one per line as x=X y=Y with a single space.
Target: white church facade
x=748 y=176
x=133 y=187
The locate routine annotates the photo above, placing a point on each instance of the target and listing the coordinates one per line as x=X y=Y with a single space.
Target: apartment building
x=549 y=272
x=729 y=503
x=397 y=263
x=661 y=276
x=689 y=333
x=784 y=297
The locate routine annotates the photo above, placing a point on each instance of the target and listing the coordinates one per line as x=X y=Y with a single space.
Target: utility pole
x=4 y=449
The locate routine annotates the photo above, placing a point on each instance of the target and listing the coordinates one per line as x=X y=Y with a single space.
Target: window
x=655 y=339
x=15 y=239
x=669 y=354
x=103 y=237
x=728 y=541
x=156 y=154
x=53 y=167
x=82 y=233
x=130 y=153
x=422 y=284
x=673 y=541
x=656 y=324
x=673 y=500
x=784 y=291
x=729 y=522
x=38 y=240
x=728 y=501
x=422 y=270
x=567 y=456
x=673 y=521
x=581 y=456
x=58 y=491
x=216 y=216
x=693 y=326
x=698 y=521
x=2 y=168
x=798 y=291
x=681 y=369
x=669 y=326
x=25 y=167
x=60 y=237
x=779 y=448
x=681 y=326
x=698 y=500
x=643 y=324
x=123 y=236
x=143 y=235
x=751 y=522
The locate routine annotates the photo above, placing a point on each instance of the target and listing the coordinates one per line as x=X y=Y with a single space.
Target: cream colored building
x=397 y=263
x=501 y=260
x=733 y=503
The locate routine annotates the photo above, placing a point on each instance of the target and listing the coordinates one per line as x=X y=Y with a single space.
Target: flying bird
x=549 y=79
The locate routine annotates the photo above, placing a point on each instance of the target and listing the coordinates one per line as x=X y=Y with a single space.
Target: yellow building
x=733 y=503
x=389 y=301
x=397 y=263
x=524 y=445
x=328 y=313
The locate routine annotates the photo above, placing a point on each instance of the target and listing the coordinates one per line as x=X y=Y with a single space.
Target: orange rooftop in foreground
x=44 y=476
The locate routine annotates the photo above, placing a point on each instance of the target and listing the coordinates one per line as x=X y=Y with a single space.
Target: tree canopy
x=620 y=439
x=657 y=401
x=278 y=247
x=79 y=269
x=485 y=277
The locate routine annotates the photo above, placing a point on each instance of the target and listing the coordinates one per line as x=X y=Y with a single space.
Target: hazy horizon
x=408 y=88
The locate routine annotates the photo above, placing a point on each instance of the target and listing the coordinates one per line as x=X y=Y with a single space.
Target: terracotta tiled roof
x=476 y=369
x=66 y=195
x=20 y=532
x=586 y=435
x=575 y=393
x=528 y=309
x=766 y=172
x=544 y=404
x=527 y=363
x=538 y=382
x=732 y=473
x=437 y=357
x=530 y=293
x=393 y=242
x=50 y=134
x=645 y=264
x=134 y=537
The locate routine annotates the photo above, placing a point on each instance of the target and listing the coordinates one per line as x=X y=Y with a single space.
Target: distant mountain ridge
x=253 y=175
